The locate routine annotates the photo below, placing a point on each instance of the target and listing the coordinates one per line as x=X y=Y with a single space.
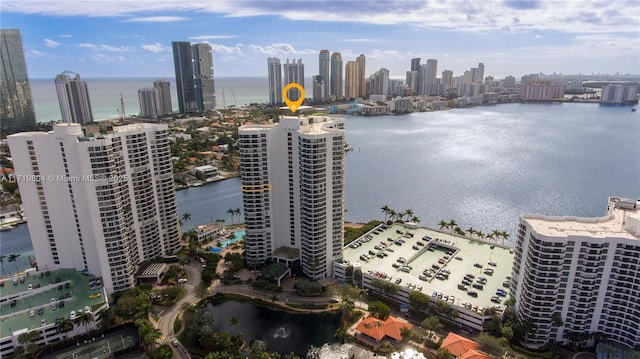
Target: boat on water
x=6 y=227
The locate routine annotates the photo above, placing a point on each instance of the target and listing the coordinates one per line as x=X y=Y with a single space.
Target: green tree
x=385 y=210
x=64 y=325
x=419 y=301
x=14 y=258
x=443 y=354
x=443 y=224
x=232 y=212
x=507 y=332
x=186 y=217
x=489 y=344
x=83 y=318
x=107 y=317
x=432 y=323
x=379 y=310
x=408 y=213
x=453 y=224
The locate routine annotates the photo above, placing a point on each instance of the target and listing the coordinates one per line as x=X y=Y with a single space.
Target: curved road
x=168 y=316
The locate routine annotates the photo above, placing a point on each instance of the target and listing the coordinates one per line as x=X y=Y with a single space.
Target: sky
x=132 y=38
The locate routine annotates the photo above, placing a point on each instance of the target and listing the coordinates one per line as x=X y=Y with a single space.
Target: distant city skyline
x=133 y=39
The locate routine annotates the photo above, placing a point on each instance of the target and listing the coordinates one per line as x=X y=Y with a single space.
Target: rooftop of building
x=68 y=285
x=466 y=256
x=622 y=220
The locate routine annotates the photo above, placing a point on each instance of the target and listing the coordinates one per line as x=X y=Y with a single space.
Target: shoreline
x=212 y=180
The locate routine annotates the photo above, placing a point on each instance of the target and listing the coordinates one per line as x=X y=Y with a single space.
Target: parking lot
x=436 y=263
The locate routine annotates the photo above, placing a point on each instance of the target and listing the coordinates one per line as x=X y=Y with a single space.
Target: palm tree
x=471 y=231
x=186 y=217
x=408 y=213
x=496 y=234
x=150 y=338
x=459 y=231
x=443 y=224
x=84 y=318
x=2 y=263
x=392 y=215
x=480 y=234
x=415 y=219
x=505 y=236
x=64 y=325
x=106 y=317
x=385 y=210
x=238 y=213
x=13 y=258
x=452 y=225
x=232 y=213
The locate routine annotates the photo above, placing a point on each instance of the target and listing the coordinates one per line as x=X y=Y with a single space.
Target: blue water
x=239 y=235
x=482 y=166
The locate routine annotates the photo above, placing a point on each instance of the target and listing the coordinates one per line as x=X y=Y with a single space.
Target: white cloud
x=66 y=36
x=105 y=58
x=109 y=48
x=514 y=16
x=211 y=37
x=157 y=19
x=358 y=40
x=155 y=48
x=51 y=43
x=36 y=53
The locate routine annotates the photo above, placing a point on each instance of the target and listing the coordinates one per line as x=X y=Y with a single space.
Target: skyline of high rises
x=16 y=105
x=73 y=98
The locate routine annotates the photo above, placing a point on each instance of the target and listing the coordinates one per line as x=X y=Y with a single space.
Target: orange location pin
x=293 y=105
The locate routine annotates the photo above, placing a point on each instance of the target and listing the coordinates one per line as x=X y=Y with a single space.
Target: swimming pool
x=238 y=236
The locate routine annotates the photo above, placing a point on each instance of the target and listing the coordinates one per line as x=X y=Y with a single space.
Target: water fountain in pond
x=281 y=333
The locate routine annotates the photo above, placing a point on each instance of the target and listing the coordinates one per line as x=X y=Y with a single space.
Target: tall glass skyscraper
x=336 y=75
x=293 y=73
x=183 y=64
x=324 y=61
x=203 y=72
x=194 y=77
x=275 y=80
x=16 y=107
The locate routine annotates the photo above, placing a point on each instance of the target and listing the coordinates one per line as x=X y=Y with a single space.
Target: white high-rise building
x=164 y=96
x=573 y=277
x=293 y=192
x=149 y=99
x=73 y=98
x=101 y=203
x=293 y=73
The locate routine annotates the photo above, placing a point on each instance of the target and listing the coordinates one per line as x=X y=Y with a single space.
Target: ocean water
x=105 y=95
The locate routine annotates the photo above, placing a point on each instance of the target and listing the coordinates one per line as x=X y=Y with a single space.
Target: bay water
x=481 y=166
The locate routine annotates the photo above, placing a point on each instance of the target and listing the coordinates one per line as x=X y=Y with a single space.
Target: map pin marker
x=293 y=105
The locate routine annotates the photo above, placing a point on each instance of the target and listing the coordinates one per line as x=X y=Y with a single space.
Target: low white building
x=207 y=170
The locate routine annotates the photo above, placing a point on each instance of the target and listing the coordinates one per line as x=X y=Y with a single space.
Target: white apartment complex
x=574 y=276
x=293 y=192
x=101 y=204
